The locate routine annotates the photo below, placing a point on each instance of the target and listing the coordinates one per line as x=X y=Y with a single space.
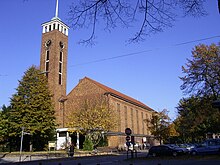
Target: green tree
x=32 y=108
x=196 y=118
x=93 y=116
x=87 y=144
x=159 y=125
x=148 y=16
x=4 y=125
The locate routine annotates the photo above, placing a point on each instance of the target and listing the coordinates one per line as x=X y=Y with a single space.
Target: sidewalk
x=15 y=157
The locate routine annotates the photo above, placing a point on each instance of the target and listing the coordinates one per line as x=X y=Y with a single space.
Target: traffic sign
x=128 y=138
x=128 y=131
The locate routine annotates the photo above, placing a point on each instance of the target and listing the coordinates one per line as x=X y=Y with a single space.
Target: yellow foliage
x=92 y=113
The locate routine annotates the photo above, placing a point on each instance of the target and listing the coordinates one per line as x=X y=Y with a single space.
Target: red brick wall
x=53 y=76
x=86 y=87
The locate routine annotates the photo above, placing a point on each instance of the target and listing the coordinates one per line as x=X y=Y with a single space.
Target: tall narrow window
x=126 y=116
x=137 y=122
x=61 y=56
x=142 y=119
x=60 y=67
x=47 y=62
x=60 y=78
x=47 y=66
x=147 y=123
x=49 y=27
x=47 y=55
x=119 y=116
x=132 y=119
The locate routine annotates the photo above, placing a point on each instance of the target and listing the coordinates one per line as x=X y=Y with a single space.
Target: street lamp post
x=62 y=100
x=22 y=137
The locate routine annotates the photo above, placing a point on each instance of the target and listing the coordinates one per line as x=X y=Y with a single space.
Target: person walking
x=71 y=150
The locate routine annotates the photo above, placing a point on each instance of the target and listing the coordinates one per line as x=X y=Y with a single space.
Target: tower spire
x=56 y=14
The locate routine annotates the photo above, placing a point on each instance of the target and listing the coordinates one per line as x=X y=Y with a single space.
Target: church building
x=53 y=61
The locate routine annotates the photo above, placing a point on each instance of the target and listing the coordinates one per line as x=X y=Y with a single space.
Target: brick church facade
x=131 y=113
x=53 y=61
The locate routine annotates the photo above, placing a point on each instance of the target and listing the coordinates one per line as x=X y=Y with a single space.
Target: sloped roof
x=120 y=95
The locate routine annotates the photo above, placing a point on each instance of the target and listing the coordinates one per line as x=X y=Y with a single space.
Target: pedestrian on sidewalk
x=71 y=150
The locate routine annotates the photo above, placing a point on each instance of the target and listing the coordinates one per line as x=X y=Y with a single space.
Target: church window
x=142 y=119
x=64 y=30
x=60 y=78
x=47 y=62
x=47 y=55
x=119 y=116
x=147 y=122
x=132 y=119
x=60 y=62
x=126 y=117
x=47 y=68
x=60 y=67
x=61 y=56
x=49 y=27
x=137 y=121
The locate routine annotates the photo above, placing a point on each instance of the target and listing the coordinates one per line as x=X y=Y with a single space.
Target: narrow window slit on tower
x=60 y=67
x=61 y=56
x=47 y=55
x=60 y=78
x=47 y=66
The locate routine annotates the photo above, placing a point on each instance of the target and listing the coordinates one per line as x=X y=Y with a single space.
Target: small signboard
x=51 y=144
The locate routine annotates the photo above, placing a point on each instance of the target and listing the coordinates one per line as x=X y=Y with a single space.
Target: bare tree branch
x=151 y=16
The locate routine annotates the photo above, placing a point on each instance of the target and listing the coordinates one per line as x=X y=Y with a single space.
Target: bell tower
x=53 y=61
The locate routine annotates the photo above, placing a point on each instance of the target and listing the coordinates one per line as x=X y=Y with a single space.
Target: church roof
x=119 y=95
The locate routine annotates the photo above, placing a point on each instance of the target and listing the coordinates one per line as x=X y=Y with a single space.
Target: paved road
x=122 y=160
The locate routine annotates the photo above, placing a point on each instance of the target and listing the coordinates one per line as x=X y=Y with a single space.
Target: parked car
x=164 y=150
x=174 y=146
x=210 y=146
x=188 y=146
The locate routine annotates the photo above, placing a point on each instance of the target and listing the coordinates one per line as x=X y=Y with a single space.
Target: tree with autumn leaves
x=201 y=84
x=202 y=72
x=196 y=114
x=161 y=127
x=93 y=116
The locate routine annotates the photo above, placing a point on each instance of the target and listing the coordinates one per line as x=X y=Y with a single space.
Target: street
x=122 y=160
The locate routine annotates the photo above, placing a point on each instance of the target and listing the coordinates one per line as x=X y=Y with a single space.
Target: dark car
x=210 y=146
x=164 y=150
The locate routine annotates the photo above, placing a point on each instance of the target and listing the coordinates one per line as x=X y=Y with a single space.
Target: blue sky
x=150 y=76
